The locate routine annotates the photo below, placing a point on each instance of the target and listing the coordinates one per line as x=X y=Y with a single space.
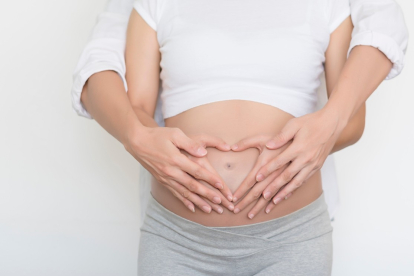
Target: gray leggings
x=299 y=243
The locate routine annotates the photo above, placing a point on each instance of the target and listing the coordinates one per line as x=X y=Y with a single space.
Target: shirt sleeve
x=149 y=10
x=104 y=50
x=338 y=11
x=380 y=24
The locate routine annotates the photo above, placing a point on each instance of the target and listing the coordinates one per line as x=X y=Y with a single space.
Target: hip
x=299 y=243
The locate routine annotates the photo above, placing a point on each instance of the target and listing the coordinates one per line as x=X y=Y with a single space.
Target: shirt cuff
x=83 y=76
x=386 y=45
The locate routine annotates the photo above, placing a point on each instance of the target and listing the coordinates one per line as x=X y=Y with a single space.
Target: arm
x=364 y=70
x=157 y=146
x=272 y=183
x=377 y=49
x=380 y=24
x=335 y=59
x=99 y=92
x=103 y=52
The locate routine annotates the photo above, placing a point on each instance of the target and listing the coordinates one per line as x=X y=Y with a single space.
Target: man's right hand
x=158 y=150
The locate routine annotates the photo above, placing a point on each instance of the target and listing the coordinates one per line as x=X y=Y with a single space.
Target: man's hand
x=249 y=185
x=310 y=139
x=158 y=151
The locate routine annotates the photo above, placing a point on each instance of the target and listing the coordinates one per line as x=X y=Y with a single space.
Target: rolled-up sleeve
x=380 y=24
x=104 y=51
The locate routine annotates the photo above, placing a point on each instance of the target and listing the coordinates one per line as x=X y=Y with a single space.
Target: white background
x=69 y=191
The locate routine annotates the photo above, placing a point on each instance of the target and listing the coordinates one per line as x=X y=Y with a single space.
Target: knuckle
x=296 y=183
x=163 y=180
x=192 y=186
x=287 y=175
x=175 y=160
x=256 y=194
x=272 y=188
x=168 y=171
x=186 y=194
x=309 y=158
x=197 y=173
x=318 y=167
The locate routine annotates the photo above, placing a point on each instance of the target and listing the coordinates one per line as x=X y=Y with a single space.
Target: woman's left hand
x=313 y=136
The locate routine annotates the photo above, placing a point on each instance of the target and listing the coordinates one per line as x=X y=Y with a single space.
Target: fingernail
x=266 y=195
x=220 y=210
x=236 y=210
x=234 y=199
x=271 y=144
x=267 y=211
x=235 y=147
x=191 y=208
x=227 y=147
x=230 y=198
x=231 y=207
x=259 y=177
x=251 y=216
x=202 y=151
x=207 y=209
x=217 y=199
x=219 y=185
x=277 y=200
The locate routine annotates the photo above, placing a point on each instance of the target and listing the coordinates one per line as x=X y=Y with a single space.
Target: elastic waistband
x=303 y=224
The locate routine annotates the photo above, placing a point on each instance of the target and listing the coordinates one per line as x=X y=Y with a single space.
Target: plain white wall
x=69 y=191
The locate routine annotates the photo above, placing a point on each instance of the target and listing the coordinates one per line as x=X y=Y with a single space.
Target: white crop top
x=267 y=51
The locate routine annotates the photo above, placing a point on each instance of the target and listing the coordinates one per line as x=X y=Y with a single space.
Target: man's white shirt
x=377 y=23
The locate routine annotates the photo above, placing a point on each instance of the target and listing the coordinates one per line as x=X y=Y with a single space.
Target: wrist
x=340 y=117
x=133 y=130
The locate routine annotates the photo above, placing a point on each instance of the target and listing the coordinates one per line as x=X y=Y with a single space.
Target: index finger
x=276 y=163
x=246 y=185
x=256 y=141
x=212 y=141
x=225 y=190
x=198 y=172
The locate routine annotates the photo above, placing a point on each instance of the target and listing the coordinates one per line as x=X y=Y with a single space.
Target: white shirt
x=379 y=24
x=272 y=52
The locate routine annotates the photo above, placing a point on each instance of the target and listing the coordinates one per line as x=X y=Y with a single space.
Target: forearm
x=352 y=132
x=105 y=99
x=363 y=72
x=146 y=119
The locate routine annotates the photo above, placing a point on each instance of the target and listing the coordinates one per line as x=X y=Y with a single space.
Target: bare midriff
x=233 y=120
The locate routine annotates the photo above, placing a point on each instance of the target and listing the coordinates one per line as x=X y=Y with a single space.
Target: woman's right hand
x=158 y=150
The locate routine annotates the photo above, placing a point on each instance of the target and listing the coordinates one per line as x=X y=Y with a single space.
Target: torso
x=233 y=120
x=234 y=69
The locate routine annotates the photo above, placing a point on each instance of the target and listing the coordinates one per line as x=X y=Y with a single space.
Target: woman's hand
x=158 y=151
x=205 y=163
x=313 y=137
x=249 y=183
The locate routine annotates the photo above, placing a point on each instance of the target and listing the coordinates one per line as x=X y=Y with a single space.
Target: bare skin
x=230 y=121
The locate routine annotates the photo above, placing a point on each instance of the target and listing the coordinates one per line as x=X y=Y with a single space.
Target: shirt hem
x=287 y=102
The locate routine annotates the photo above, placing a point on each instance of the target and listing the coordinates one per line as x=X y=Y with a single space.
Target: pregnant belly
x=233 y=167
x=234 y=120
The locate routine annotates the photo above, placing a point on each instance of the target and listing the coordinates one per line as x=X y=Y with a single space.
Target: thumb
x=212 y=141
x=256 y=141
x=287 y=133
x=189 y=145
